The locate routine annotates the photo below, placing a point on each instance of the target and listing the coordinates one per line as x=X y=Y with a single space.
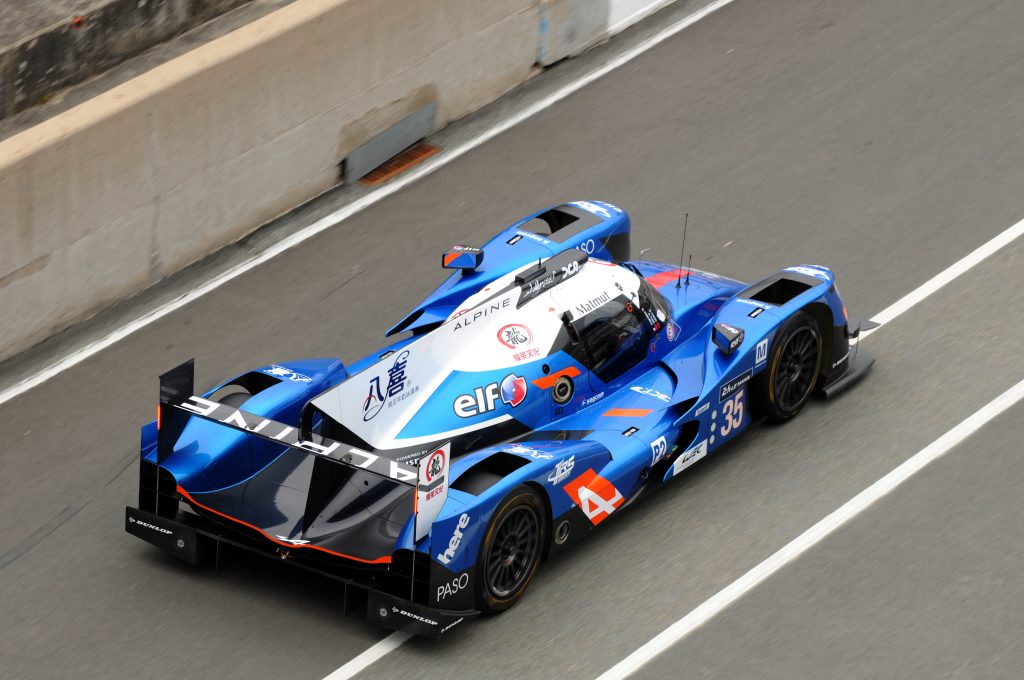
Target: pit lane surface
x=882 y=138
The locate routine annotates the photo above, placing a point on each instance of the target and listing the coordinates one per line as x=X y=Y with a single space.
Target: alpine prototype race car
x=546 y=385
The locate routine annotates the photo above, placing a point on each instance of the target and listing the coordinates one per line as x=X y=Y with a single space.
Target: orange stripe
x=386 y=559
x=627 y=412
x=549 y=380
x=661 y=278
x=448 y=257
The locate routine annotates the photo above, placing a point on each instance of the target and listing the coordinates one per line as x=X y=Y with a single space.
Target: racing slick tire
x=511 y=550
x=794 y=363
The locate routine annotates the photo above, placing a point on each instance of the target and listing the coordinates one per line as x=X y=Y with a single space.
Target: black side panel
x=839 y=361
x=569 y=529
x=327 y=479
x=164 y=502
x=487 y=472
x=174 y=537
x=402 y=569
x=618 y=245
x=176 y=385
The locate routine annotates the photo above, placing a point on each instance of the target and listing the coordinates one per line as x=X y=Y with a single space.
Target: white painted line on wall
x=853 y=507
x=624 y=13
x=78 y=356
x=381 y=649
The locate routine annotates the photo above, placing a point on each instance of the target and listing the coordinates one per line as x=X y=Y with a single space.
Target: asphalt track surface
x=883 y=138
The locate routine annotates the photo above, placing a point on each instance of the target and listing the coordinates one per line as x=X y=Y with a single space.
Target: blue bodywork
x=589 y=457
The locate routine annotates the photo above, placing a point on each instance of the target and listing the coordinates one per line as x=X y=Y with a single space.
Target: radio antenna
x=686 y=220
x=689 y=266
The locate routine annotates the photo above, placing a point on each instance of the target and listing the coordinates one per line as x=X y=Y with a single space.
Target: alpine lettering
x=481 y=312
x=287 y=434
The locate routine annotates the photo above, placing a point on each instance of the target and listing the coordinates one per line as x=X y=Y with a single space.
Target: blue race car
x=547 y=384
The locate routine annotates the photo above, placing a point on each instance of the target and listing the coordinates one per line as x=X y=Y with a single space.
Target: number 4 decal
x=732 y=411
x=595 y=495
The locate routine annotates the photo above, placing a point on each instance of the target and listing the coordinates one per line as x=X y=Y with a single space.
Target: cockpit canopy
x=483 y=371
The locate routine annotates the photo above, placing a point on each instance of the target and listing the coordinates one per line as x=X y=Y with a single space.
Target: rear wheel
x=793 y=367
x=511 y=549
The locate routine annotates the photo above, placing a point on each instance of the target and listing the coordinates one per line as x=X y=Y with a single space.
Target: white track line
x=959 y=267
x=382 y=648
x=358 y=205
x=812 y=536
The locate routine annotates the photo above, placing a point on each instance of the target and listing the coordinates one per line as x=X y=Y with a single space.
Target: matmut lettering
x=592 y=304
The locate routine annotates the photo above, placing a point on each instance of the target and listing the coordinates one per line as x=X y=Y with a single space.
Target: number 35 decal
x=732 y=411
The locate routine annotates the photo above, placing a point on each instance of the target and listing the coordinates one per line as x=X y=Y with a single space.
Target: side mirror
x=727 y=338
x=462 y=257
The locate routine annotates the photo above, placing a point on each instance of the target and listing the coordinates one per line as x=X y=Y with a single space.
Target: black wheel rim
x=511 y=554
x=797 y=370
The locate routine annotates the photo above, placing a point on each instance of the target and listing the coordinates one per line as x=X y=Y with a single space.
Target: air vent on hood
x=238 y=391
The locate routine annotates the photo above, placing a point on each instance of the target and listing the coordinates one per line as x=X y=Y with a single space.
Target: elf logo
x=511 y=391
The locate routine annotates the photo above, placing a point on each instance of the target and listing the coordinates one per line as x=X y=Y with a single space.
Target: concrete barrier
x=570 y=27
x=113 y=195
x=107 y=198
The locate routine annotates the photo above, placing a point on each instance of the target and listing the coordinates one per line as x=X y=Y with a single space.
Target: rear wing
x=178 y=403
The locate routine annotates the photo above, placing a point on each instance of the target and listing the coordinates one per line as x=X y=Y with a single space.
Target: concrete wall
x=104 y=34
x=569 y=27
x=113 y=195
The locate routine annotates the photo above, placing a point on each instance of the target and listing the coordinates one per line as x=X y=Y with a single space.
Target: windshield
x=615 y=337
x=653 y=305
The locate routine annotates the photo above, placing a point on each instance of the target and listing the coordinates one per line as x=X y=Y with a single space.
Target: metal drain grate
x=400 y=163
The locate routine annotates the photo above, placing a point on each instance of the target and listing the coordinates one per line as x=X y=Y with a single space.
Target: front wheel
x=511 y=549
x=793 y=367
